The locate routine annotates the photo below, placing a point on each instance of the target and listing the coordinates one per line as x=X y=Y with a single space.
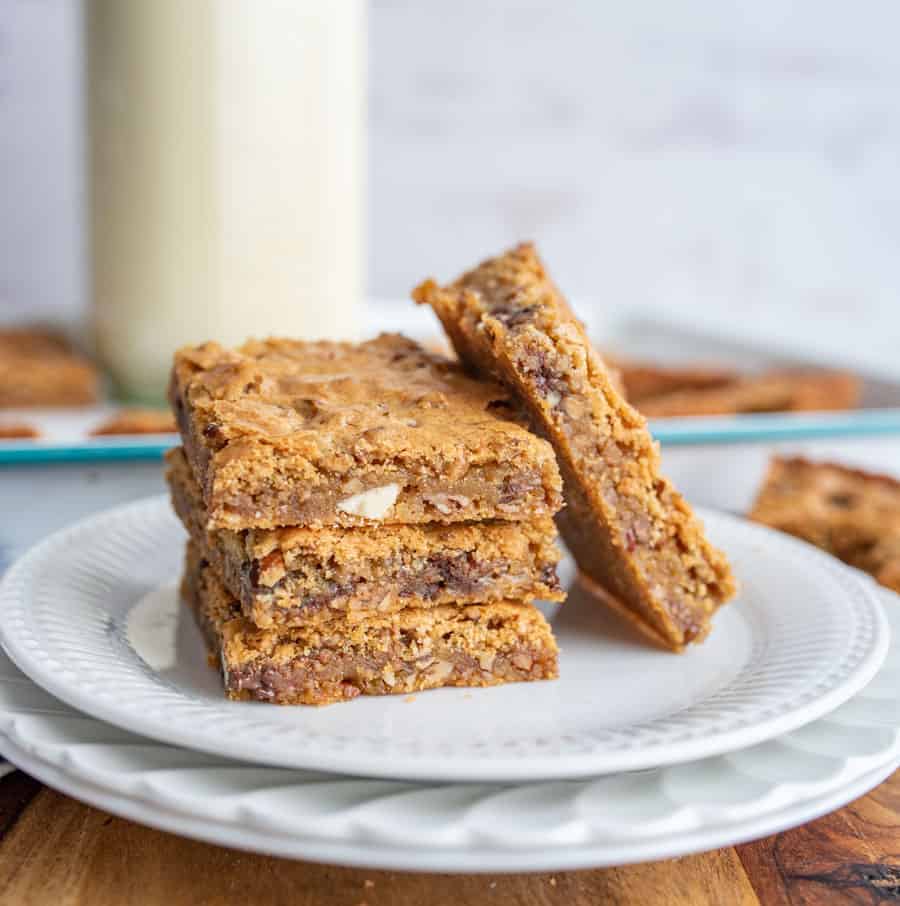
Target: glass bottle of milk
x=226 y=174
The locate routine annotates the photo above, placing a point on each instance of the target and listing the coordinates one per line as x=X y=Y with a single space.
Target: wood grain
x=16 y=791
x=849 y=856
x=62 y=853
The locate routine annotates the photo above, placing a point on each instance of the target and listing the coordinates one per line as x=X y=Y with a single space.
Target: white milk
x=226 y=175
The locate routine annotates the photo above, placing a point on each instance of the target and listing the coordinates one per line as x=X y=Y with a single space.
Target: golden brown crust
x=290 y=576
x=851 y=513
x=626 y=525
x=137 y=421
x=397 y=654
x=284 y=432
x=39 y=367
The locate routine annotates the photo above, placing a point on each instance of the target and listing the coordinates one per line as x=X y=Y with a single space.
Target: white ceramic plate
x=85 y=616
x=543 y=826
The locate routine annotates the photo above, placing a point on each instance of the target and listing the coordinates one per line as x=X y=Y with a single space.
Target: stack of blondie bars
x=375 y=518
x=363 y=519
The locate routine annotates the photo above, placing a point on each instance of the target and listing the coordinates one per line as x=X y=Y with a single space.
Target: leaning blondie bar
x=336 y=661
x=628 y=528
x=283 y=432
x=852 y=514
x=293 y=576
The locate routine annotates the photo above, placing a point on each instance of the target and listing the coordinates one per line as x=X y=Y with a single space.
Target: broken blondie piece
x=852 y=514
x=294 y=575
x=628 y=528
x=336 y=661
x=283 y=432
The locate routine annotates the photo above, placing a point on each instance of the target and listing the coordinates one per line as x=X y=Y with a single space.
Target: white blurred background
x=732 y=165
x=728 y=162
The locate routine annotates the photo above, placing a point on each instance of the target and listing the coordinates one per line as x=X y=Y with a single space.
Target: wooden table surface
x=55 y=851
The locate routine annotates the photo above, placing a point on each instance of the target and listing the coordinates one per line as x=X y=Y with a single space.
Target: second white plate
x=465 y=827
x=91 y=615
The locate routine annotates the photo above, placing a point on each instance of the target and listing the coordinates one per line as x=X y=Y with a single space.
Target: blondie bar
x=628 y=528
x=642 y=380
x=773 y=391
x=852 y=514
x=137 y=421
x=39 y=367
x=282 y=432
x=18 y=431
x=291 y=576
x=399 y=653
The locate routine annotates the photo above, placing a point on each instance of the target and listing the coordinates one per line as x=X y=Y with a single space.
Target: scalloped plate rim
x=410 y=858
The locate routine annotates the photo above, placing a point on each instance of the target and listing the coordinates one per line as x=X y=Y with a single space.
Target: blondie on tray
x=291 y=576
x=39 y=367
x=398 y=653
x=137 y=421
x=282 y=432
x=852 y=514
x=774 y=391
x=644 y=380
x=628 y=528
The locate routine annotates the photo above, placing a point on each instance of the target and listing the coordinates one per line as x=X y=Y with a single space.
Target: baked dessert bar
x=137 y=421
x=282 y=432
x=291 y=576
x=630 y=531
x=774 y=391
x=39 y=367
x=642 y=380
x=852 y=514
x=400 y=653
x=18 y=431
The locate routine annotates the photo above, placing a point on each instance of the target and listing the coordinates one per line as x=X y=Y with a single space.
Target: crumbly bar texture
x=774 y=391
x=283 y=432
x=291 y=576
x=852 y=514
x=39 y=367
x=137 y=421
x=628 y=528
x=399 y=653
